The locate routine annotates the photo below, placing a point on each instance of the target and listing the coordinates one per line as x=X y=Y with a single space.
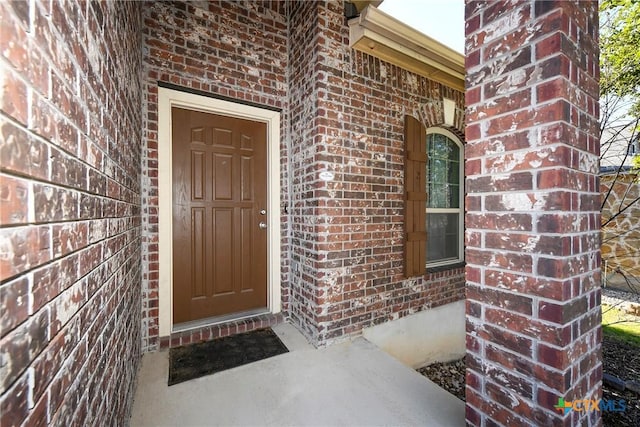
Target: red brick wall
x=347 y=116
x=70 y=211
x=533 y=220
x=232 y=49
x=303 y=36
x=341 y=110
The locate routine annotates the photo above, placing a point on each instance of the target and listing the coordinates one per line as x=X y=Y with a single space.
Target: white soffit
x=380 y=35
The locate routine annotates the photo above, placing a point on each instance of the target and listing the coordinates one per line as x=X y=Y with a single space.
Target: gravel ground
x=623 y=361
x=625 y=301
x=619 y=358
x=449 y=376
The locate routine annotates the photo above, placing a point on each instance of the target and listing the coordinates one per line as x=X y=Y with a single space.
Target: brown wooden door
x=219 y=190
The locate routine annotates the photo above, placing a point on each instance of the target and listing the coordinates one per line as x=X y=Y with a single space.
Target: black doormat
x=196 y=360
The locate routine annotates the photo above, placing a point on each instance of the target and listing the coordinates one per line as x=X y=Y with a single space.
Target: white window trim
x=459 y=210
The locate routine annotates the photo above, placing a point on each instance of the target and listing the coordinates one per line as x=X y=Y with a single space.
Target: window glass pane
x=443 y=172
x=440 y=146
x=454 y=155
x=439 y=171
x=454 y=196
x=437 y=195
x=442 y=236
x=454 y=173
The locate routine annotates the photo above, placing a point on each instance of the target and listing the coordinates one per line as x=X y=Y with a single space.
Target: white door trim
x=168 y=98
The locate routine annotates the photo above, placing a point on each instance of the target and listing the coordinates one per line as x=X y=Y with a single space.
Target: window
x=634 y=146
x=445 y=195
x=433 y=198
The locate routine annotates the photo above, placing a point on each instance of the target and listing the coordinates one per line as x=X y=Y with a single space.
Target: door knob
x=262 y=225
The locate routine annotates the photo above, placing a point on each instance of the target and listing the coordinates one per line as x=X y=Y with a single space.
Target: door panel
x=197 y=175
x=198 y=253
x=222 y=177
x=223 y=252
x=219 y=189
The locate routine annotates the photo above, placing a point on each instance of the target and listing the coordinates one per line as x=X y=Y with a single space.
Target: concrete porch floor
x=349 y=384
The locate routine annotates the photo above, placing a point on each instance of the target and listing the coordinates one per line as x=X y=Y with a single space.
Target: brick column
x=532 y=240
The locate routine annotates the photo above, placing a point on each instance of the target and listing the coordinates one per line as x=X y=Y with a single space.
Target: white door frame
x=168 y=98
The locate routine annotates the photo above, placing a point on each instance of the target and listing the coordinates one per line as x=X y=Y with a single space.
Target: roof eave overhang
x=380 y=35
